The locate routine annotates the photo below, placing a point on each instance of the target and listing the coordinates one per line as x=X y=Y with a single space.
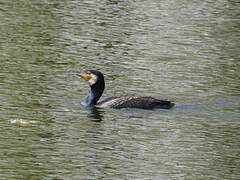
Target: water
x=186 y=51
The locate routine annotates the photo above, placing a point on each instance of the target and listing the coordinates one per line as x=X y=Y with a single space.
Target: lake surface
x=187 y=51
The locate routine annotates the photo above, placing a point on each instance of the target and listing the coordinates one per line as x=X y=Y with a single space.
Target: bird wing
x=134 y=101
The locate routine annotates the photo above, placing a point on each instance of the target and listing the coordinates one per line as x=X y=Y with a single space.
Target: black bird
x=97 y=85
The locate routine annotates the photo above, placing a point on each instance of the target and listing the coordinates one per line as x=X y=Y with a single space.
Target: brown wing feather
x=134 y=101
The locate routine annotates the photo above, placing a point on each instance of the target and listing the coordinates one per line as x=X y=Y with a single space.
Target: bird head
x=92 y=76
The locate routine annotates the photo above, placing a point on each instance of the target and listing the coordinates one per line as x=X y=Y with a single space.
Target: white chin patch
x=93 y=80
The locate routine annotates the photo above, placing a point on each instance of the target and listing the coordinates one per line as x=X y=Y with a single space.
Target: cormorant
x=97 y=85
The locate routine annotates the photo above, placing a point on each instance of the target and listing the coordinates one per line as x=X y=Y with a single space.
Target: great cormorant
x=97 y=85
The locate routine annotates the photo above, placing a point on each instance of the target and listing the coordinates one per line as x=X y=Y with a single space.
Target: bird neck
x=95 y=94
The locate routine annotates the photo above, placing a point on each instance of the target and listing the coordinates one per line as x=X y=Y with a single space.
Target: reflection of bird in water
x=96 y=115
x=97 y=85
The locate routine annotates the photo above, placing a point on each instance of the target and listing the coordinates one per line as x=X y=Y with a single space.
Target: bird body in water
x=97 y=85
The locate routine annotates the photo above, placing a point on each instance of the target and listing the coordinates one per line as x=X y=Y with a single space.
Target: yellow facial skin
x=88 y=76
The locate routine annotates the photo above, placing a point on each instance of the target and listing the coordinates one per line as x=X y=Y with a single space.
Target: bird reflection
x=96 y=114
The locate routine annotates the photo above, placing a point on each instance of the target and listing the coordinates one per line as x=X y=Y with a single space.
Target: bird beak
x=84 y=74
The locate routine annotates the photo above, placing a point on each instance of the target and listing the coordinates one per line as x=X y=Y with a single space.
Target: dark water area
x=186 y=51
